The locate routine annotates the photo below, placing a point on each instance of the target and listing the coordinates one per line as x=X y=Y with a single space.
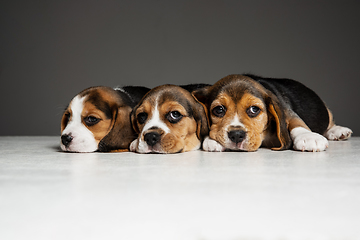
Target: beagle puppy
x=169 y=120
x=98 y=119
x=247 y=111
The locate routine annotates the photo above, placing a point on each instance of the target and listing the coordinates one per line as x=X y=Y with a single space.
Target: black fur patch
x=132 y=94
x=301 y=99
x=95 y=98
x=192 y=87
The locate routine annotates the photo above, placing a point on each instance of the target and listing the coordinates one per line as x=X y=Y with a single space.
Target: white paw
x=133 y=145
x=211 y=145
x=336 y=133
x=304 y=140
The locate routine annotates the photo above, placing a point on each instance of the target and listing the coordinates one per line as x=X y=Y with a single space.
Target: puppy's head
x=243 y=114
x=97 y=119
x=168 y=120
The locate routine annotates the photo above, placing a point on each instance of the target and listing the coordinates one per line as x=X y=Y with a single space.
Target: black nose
x=66 y=139
x=236 y=136
x=152 y=138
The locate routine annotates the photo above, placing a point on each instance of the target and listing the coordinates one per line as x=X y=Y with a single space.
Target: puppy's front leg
x=134 y=145
x=211 y=145
x=337 y=133
x=305 y=140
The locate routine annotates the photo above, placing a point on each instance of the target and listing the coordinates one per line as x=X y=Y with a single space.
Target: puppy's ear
x=282 y=132
x=202 y=95
x=65 y=120
x=121 y=133
x=201 y=118
x=133 y=120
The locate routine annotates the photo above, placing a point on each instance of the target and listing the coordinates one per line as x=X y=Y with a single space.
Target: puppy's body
x=247 y=111
x=296 y=97
x=98 y=119
x=169 y=120
x=195 y=86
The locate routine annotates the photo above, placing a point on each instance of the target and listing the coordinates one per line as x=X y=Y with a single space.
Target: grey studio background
x=50 y=50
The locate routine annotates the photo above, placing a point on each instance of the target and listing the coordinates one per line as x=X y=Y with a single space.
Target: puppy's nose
x=152 y=138
x=66 y=139
x=236 y=136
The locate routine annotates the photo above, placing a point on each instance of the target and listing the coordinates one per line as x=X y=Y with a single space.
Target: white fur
x=211 y=145
x=155 y=121
x=228 y=143
x=140 y=145
x=133 y=145
x=83 y=138
x=305 y=140
x=236 y=122
x=336 y=133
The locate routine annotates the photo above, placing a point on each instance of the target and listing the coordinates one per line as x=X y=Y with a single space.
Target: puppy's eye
x=253 y=111
x=141 y=117
x=91 y=120
x=174 y=116
x=219 y=111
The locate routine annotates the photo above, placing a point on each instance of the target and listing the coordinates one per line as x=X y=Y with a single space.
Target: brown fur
x=237 y=95
x=112 y=133
x=101 y=129
x=254 y=127
x=185 y=134
x=331 y=120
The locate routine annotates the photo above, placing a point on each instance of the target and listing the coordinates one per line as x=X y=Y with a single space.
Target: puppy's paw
x=304 y=140
x=211 y=145
x=337 y=133
x=133 y=145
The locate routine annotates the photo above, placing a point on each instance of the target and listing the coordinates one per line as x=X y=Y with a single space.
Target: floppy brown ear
x=133 y=121
x=282 y=131
x=201 y=118
x=121 y=133
x=202 y=95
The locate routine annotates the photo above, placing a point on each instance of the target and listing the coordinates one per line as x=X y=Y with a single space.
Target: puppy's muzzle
x=66 y=139
x=236 y=136
x=152 y=138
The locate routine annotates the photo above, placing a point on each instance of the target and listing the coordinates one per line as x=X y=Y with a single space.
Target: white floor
x=48 y=194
